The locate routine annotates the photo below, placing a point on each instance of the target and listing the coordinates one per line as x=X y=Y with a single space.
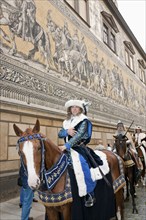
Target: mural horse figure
x=37 y=154
x=123 y=152
x=12 y=16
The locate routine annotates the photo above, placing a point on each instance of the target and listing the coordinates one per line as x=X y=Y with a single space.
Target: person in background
x=109 y=147
x=139 y=137
x=130 y=145
x=26 y=195
x=22 y=197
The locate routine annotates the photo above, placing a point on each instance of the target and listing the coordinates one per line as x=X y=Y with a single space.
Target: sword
x=129 y=127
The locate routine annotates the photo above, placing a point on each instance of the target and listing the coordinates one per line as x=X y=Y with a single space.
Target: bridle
x=33 y=137
x=120 y=144
x=46 y=176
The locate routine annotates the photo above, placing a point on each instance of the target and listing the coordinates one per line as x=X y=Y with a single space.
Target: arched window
x=129 y=52
x=109 y=31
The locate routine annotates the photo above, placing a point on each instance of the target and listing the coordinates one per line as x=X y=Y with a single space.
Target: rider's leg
x=90 y=184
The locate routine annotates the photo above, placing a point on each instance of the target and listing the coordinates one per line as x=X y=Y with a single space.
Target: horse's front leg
x=51 y=214
x=13 y=50
x=32 y=52
x=66 y=211
x=132 y=192
x=127 y=189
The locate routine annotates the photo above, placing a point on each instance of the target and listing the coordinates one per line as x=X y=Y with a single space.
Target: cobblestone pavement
x=10 y=210
x=141 y=205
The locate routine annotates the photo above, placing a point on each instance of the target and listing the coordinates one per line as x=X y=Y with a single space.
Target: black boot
x=89 y=200
x=20 y=205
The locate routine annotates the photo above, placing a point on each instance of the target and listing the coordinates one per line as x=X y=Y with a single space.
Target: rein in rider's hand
x=62 y=148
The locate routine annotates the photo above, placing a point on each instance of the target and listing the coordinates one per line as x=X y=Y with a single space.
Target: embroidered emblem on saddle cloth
x=56 y=199
x=53 y=175
x=120 y=182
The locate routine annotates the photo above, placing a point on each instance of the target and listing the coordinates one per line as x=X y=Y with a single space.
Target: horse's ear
x=36 y=128
x=114 y=136
x=17 y=130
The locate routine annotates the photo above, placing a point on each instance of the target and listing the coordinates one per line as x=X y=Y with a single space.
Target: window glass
x=105 y=34
x=126 y=56
x=141 y=73
x=113 y=42
x=131 y=62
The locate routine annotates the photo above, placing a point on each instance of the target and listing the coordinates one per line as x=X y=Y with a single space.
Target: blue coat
x=23 y=176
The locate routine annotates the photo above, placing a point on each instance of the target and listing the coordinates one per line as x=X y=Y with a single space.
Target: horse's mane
x=48 y=143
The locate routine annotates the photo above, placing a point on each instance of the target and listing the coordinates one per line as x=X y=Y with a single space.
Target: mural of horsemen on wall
x=65 y=49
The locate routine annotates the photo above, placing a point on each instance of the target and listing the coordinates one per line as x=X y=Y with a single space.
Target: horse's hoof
x=135 y=211
x=135 y=196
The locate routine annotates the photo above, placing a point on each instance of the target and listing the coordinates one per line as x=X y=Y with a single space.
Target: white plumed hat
x=119 y=123
x=74 y=102
x=138 y=127
x=80 y=103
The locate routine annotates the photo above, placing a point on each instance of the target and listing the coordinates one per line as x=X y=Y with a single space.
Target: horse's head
x=121 y=145
x=30 y=148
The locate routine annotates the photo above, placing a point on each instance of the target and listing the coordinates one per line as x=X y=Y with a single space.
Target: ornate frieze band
x=29 y=88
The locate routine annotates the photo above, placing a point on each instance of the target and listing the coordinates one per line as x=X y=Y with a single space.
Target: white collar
x=73 y=121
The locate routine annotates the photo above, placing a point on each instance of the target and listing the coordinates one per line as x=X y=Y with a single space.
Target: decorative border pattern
x=21 y=84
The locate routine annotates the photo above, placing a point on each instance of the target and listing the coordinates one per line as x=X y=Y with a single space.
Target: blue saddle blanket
x=53 y=175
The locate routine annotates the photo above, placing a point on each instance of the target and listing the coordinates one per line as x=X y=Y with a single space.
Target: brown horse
x=141 y=151
x=34 y=148
x=123 y=152
x=117 y=173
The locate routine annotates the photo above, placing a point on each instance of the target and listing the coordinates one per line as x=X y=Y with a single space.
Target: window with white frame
x=129 y=52
x=109 y=31
x=81 y=7
x=142 y=72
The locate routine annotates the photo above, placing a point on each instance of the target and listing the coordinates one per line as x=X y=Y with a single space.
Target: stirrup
x=90 y=201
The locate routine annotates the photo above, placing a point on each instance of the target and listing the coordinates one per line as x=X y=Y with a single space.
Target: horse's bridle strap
x=30 y=137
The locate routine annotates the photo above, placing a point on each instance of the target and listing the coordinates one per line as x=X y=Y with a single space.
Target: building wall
x=42 y=67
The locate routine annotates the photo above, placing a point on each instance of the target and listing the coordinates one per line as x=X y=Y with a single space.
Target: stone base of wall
x=8 y=186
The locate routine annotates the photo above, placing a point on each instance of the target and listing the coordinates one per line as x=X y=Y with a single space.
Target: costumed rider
x=139 y=137
x=131 y=147
x=77 y=131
